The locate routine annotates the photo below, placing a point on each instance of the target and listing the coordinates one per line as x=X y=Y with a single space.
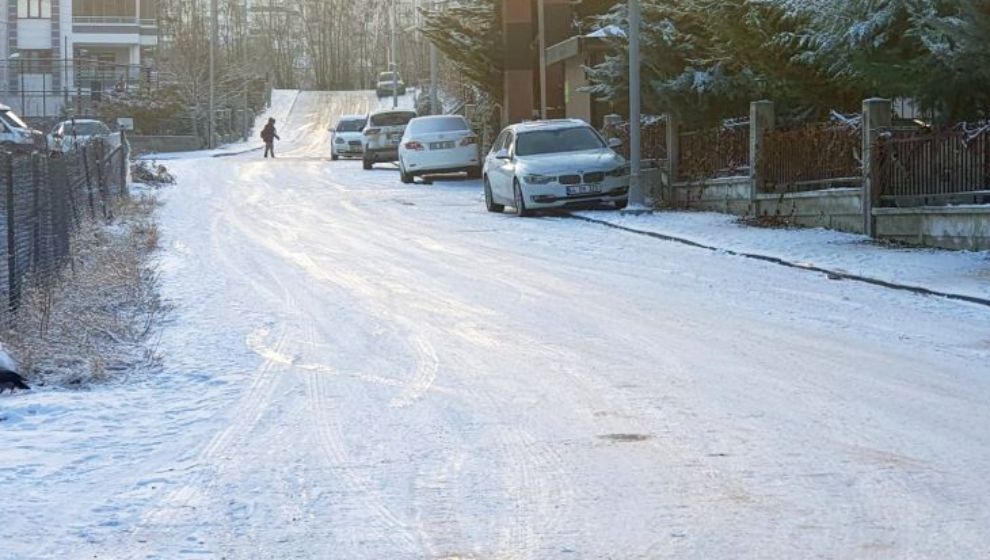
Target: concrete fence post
x=673 y=142
x=877 y=115
x=761 y=119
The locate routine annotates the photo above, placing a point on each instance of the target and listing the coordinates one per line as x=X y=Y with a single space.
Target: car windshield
x=13 y=119
x=387 y=76
x=352 y=125
x=572 y=139
x=86 y=129
x=392 y=119
x=442 y=124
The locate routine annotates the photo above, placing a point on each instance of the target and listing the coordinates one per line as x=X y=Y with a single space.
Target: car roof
x=77 y=121
x=437 y=117
x=353 y=118
x=4 y=107
x=552 y=124
x=386 y=111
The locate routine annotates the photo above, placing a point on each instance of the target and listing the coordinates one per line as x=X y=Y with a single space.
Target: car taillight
x=469 y=140
x=371 y=131
x=414 y=146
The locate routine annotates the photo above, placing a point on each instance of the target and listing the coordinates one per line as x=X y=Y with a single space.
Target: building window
x=34 y=61
x=104 y=8
x=34 y=9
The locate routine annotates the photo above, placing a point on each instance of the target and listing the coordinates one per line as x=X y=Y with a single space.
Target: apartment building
x=57 y=50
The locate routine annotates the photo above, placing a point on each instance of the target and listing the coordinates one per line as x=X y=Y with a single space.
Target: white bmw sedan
x=439 y=144
x=553 y=164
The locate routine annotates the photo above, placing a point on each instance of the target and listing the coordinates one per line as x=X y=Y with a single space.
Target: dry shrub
x=95 y=317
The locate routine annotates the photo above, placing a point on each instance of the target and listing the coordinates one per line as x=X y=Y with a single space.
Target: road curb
x=831 y=274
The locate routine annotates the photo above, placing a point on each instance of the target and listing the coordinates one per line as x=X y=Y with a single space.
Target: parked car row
x=531 y=166
x=15 y=134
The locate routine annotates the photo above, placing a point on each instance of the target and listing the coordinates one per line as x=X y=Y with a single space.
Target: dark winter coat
x=268 y=134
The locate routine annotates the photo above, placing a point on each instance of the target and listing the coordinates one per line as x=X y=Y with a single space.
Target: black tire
x=621 y=204
x=519 y=203
x=490 y=203
x=406 y=178
x=367 y=163
x=334 y=157
x=474 y=173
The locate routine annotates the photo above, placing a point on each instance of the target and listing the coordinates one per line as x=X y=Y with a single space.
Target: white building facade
x=55 y=51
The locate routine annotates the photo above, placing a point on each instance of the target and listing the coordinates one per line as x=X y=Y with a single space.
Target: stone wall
x=947 y=227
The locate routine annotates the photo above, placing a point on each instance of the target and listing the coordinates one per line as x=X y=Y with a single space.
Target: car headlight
x=620 y=171
x=535 y=179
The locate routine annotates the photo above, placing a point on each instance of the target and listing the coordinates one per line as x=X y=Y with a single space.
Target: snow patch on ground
x=959 y=272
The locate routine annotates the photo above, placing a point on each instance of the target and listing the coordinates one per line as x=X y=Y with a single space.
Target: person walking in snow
x=269 y=135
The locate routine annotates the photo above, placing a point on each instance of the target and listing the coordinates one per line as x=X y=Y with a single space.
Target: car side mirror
x=614 y=142
x=502 y=154
x=332 y=129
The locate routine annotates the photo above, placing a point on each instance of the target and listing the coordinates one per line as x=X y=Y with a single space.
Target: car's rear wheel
x=621 y=204
x=474 y=173
x=407 y=178
x=490 y=203
x=519 y=201
x=367 y=163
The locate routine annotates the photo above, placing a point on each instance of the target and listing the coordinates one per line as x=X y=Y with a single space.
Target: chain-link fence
x=45 y=198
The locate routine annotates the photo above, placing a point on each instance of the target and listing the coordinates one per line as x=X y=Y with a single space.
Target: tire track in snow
x=331 y=440
x=244 y=417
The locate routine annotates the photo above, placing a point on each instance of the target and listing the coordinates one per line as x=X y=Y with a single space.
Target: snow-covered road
x=358 y=368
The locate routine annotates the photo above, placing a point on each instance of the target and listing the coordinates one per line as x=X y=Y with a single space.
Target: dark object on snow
x=269 y=134
x=11 y=380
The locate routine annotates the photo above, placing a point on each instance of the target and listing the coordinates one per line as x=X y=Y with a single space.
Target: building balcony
x=115 y=30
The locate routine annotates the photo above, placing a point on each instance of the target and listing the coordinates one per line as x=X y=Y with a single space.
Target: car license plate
x=394 y=138
x=441 y=145
x=585 y=189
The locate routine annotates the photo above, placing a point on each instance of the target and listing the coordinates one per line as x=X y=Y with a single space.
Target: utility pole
x=395 y=60
x=214 y=34
x=635 y=191
x=542 y=31
x=434 y=78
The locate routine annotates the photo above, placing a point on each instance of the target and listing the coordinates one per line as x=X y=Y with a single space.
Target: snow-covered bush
x=151 y=173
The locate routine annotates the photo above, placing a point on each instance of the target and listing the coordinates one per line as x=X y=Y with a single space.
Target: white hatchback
x=439 y=144
x=346 y=138
x=383 y=133
x=553 y=164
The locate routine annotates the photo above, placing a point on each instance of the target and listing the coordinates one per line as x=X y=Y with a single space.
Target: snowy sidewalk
x=956 y=272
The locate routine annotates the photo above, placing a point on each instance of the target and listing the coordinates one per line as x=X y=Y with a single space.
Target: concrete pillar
x=761 y=119
x=558 y=17
x=877 y=115
x=517 y=32
x=673 y=141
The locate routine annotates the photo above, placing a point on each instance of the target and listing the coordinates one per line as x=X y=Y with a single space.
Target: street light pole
x=395 y=60
x=542 y=30
x=214 y=33
x=635 y=191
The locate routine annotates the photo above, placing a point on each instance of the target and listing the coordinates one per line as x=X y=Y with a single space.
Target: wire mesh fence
x=45 y=199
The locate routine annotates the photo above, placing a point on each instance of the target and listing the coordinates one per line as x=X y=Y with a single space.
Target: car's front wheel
x=621 y=204
x=334 y=156
x=490 y=203
x=519 y=201
x=474 y=173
